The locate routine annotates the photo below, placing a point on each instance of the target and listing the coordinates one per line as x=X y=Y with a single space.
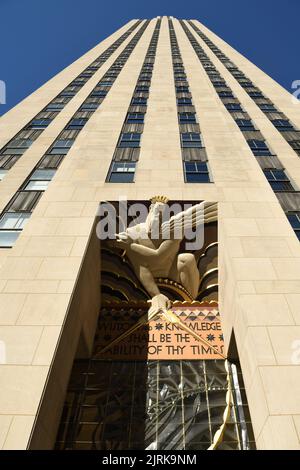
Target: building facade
x=161 y=112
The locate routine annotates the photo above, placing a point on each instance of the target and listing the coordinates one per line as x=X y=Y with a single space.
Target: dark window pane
x=39 y=123
x=259 y=147
x=226 y=94
x=187 y=117
x=281 y=186
x=63 y=143
x=282 y=124
x=130 y=140
x=295 y=144
x=197 y=178
x=245 y=124
x=294 y=220
x=190 y=166
x=201 y=166
x=77 y=123
x=269 y=175
x=121 y=177
x=267 y=107
x=280 y=175
x=233 y=107
x=135 y=118
x=89 y=106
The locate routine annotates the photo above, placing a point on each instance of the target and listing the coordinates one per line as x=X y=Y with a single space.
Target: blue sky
x=39 y=37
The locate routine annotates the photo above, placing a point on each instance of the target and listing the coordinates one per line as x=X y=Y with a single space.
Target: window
x=8 y=238
x=208 y=65
x=191 y=140
x=295 y=144
x=259 y=147
x=39 y=123
x=89 y=106
x=2 y=173
x=196 y=172
x=212 y=73
x=39 y=180
x=233 y=106
x=255 y=94
x=20 y=143
x=61 y=146
x=122 y=172
x=294 y=220
x=77 y=123
x=182 y=89
x=226 y=94
x=245 y=84
x=36 y=186
x=145 y=76
x=237 y=74
x=142 y=88
x=67 y=93
x=13 y=220
x=98 y=93
x=135 y=118
x=144 y=82
x=267 y=107
x=187 y=117
x=130 y=139
x=139 y=101
x=13 y=151
x=54 y=107
x=283 y=124
x=278 y=180
x=24 y=201
x=11 y=225
x=245 y=124
x=184 y=101
x=17 y=147
x=78 y=82
x=218 y=84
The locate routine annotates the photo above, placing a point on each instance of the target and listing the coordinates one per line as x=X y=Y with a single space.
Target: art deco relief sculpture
x=153 y=248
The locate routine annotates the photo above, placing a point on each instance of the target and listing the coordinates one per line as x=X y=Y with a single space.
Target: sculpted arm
x=161 y=253
x=147 y=280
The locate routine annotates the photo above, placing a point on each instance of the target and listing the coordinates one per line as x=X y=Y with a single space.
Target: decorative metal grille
x=164 y=405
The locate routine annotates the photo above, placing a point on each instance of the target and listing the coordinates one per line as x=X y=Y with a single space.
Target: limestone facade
x=43 y=313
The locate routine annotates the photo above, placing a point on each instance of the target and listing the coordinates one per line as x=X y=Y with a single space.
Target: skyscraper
x=163 y=118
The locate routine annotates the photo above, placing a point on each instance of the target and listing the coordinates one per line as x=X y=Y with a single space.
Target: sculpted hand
x=123 y=236
x=123 y=240
x=159 y=303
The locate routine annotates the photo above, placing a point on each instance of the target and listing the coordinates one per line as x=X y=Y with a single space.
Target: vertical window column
x=12 y=151
x=28 y=195
x=126 y=155
x=193 y=152
x=279 y=120
x=269 y=163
